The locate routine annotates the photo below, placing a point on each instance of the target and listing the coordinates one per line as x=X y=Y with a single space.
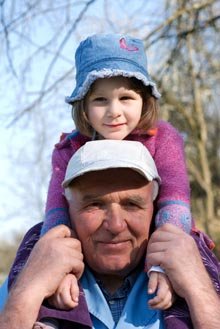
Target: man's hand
x=177 y=253
x=56 y=254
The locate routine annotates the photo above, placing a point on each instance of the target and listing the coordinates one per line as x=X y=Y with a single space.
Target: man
x=110 y=199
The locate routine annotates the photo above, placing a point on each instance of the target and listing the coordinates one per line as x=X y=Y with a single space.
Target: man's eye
x=132 y=205
x=93 y=205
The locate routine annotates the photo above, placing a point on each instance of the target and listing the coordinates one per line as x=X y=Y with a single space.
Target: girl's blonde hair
x=148 y=118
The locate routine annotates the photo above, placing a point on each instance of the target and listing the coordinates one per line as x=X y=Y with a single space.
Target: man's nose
x=114 y=109
x=115 y=220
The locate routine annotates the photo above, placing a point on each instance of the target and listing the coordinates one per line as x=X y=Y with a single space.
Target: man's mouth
x=114 y=245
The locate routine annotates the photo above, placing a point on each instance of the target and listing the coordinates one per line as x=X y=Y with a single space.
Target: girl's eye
x=99 y=99
x=126 y=97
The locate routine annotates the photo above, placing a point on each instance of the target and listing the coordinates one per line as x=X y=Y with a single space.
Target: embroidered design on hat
x=123 y=45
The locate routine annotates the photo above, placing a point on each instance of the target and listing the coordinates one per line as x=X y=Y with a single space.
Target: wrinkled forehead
x=111 y=184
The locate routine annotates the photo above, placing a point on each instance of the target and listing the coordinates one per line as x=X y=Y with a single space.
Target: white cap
x=106 y=154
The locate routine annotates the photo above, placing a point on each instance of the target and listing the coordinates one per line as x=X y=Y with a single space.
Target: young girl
x=115 y=98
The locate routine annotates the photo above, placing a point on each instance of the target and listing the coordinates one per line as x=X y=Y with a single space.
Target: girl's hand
x=67 y=294
x=160 y=285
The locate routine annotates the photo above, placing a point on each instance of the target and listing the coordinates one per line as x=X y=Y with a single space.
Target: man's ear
x=67 y=194
x=155 y=189
x=152 y=225
x=74 y=234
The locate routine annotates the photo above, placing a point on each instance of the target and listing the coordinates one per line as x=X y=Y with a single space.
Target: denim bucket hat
x=106 y=56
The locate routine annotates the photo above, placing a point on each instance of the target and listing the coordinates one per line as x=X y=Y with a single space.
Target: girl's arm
x=56 y=206
x=173 y=203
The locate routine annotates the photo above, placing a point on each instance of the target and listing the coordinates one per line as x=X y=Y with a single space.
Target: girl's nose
x=114 y=110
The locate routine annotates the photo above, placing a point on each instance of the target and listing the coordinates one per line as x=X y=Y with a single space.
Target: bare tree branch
x=5 y=31
x=170 y=99
x=168 y=22
x=67 y=36
x=196 y=173
x=38 y=100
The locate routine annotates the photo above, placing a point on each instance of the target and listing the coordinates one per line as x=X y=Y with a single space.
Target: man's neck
x=110 y=283
x=113 y=282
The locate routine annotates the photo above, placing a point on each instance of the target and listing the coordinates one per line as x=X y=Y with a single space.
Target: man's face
x=111 y=212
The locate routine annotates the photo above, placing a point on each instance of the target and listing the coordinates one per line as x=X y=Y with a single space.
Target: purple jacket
x=166 y=147
x=177 y=316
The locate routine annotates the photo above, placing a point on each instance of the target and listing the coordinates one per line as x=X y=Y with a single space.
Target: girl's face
x=113 y=108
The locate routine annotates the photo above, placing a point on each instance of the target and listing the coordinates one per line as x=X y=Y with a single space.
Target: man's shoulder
x=24 y=250
x=34 y=232
x=211 y=262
